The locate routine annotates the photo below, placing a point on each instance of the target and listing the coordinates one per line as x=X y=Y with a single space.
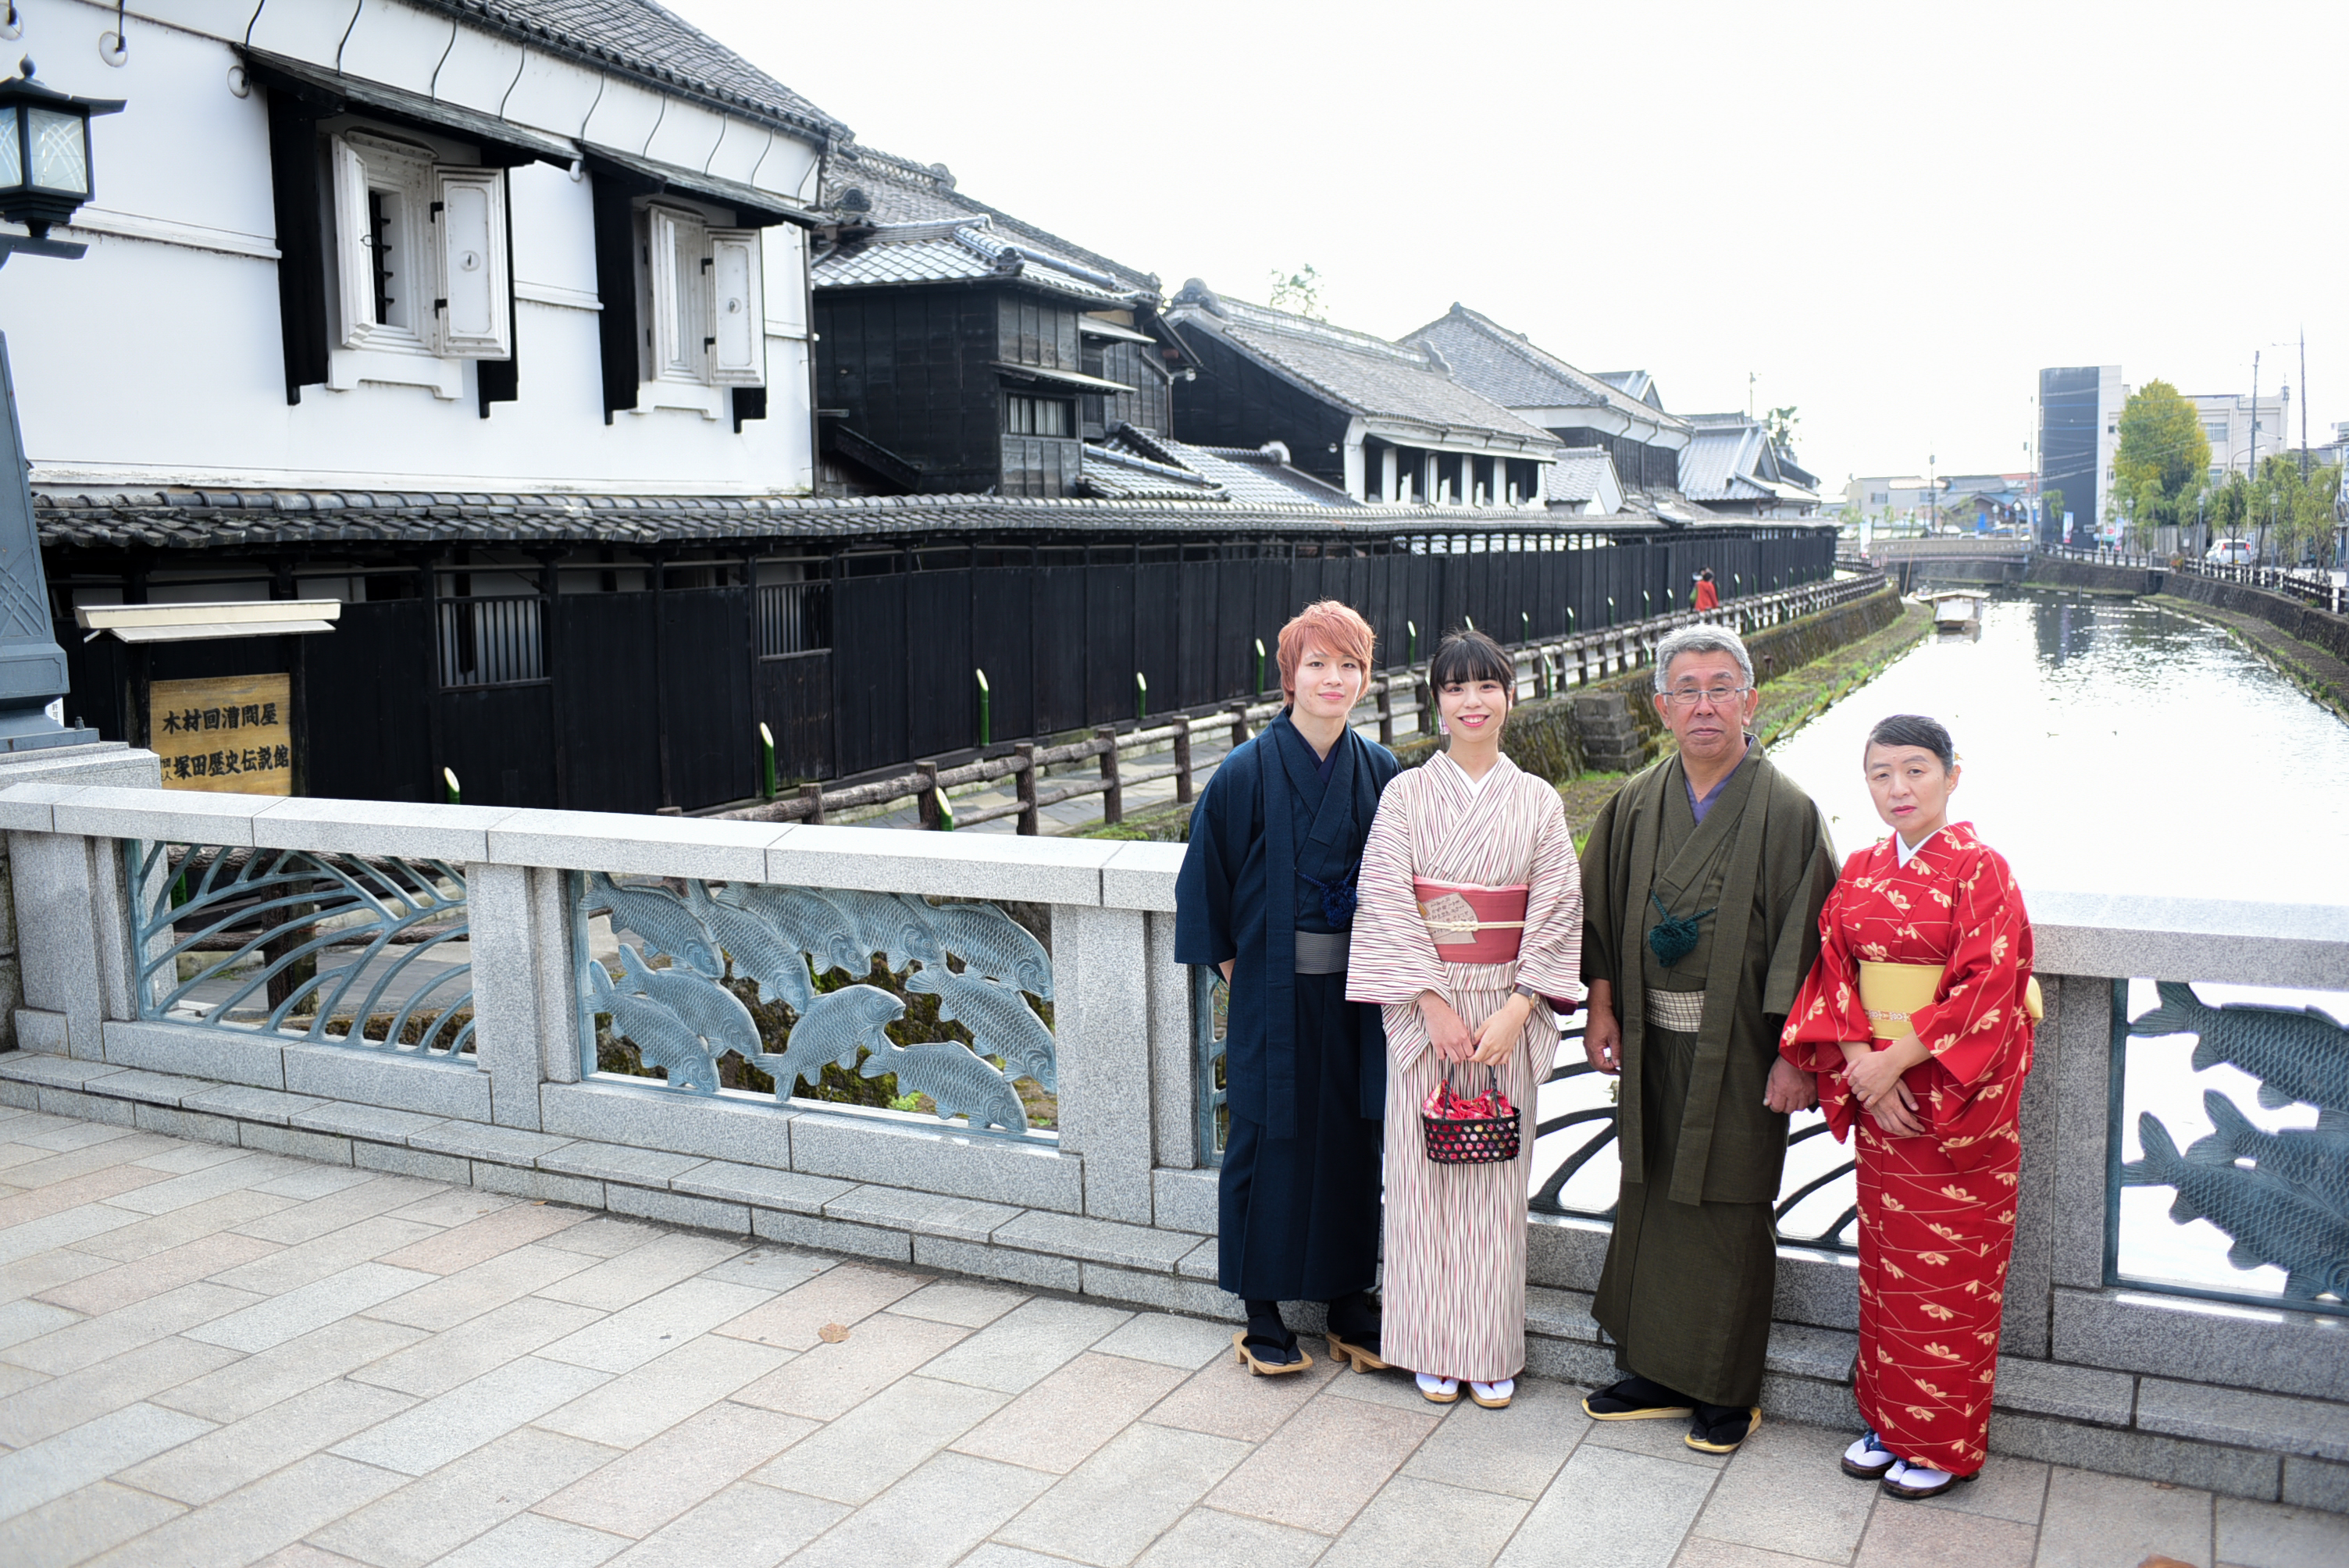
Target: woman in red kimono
x=1916 y=1019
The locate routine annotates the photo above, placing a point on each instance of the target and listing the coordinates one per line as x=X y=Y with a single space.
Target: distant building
x=2235 y=429
x=2079 y=433
x=1732 y=466
x=1902 y=495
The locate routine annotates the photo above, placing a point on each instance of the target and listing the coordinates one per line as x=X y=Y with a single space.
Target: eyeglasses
x=1720 y=697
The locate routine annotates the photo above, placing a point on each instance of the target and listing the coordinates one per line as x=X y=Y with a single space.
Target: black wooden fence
x=632 y=701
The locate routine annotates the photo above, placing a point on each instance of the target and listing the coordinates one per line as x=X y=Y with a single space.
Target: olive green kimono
x=1693 y=1264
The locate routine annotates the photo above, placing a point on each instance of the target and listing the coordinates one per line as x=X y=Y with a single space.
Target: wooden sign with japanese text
x=231 y=733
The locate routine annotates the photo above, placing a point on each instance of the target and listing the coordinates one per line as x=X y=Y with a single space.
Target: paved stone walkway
x=211 y=1356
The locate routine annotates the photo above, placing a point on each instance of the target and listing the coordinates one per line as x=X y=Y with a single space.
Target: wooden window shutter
x=470 y=315
x=738 y=309
x=354 y=245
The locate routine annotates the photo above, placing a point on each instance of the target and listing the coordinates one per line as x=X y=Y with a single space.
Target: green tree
x=1779 y=424
x=1299 y=292
x=2293 y=512
x=2051 y=510
x=2163 y=457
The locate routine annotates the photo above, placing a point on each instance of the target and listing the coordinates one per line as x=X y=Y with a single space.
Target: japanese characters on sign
x=230 y=733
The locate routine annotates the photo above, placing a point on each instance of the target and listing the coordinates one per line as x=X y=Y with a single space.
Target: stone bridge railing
x=637 y=1014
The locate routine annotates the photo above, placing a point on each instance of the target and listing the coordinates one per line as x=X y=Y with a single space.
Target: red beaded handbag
x=1477 y=1131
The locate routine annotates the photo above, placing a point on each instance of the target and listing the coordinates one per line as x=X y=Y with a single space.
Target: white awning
x=196 y=623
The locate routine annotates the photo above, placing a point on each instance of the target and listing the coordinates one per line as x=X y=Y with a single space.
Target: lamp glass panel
x=60 y=162
x=12 y=153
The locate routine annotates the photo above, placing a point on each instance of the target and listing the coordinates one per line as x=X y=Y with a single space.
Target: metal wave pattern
x=1817 y=1203
x=2279 y=1198
x=337 y=949
x=682 y=1018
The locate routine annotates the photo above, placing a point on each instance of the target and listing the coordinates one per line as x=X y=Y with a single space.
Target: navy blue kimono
x=1277 y=835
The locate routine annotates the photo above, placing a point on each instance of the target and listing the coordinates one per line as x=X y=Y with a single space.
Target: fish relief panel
x=2232 y=1141
x=749 y=987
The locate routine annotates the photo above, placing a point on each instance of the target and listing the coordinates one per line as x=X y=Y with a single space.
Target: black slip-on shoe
x=1636 y=1399
x=1720 y=1429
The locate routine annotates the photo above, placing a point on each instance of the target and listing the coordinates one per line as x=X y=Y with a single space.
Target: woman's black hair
x=1471 y=655
x=1916 y=729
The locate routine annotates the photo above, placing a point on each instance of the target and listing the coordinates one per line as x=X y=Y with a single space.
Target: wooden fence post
x=1026 y=788
x=1112 y=797
x=1422 y=698
x=1239 y=722
x=926 y=803
x=1386 y=712
x=813 y=795
x=1182 y=759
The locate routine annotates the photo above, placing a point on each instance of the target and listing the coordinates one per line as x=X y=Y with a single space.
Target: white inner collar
x=1900 y=845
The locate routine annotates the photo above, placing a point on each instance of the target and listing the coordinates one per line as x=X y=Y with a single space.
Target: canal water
x=2108 y=746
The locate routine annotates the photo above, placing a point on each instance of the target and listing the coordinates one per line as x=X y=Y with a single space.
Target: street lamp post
x=44 y=176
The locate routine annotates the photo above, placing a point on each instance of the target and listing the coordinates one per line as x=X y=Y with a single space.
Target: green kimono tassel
x=1673 y=937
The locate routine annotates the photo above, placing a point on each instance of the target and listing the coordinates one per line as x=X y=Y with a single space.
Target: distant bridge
x=1951 y=559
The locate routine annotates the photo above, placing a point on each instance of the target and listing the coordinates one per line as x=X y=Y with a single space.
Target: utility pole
x=2253 y=471
x=2304 y=404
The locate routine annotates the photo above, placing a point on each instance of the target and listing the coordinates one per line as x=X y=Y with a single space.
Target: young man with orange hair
x=1267 y=895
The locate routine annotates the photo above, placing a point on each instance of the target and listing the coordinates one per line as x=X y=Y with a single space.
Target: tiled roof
x=1366 y=374
x=1634 y=384
x=1115 y=473
x=1510 y=369
x=252 y=519
x=1583 y=474
x=953 y=251
x=1729 y=457
x=900 y=190
x=1251 y=475
x=640 y=39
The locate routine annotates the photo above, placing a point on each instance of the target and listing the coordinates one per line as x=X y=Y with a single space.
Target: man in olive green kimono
x=1702 y=887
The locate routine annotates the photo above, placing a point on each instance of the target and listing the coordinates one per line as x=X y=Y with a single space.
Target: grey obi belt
x=1322 y=952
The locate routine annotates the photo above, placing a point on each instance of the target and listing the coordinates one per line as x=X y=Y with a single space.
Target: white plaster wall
x=158 y=359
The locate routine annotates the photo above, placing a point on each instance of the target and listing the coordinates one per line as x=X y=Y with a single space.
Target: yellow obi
x=1891 y=992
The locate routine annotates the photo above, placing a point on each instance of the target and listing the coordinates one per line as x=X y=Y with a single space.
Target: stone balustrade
x=131 y=1014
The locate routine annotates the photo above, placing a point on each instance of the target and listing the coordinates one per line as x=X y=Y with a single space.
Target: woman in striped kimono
x=1918 y=1020
x=1469 y=932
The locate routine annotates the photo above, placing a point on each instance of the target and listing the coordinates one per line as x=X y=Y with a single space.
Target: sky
x=1891 y=216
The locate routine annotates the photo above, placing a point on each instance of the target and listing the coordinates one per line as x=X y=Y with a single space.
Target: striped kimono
x=1455 y=1290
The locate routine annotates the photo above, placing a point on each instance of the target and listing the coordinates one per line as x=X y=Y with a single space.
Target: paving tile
x=247 y=1525
x=873 y=1447
x=229 y=1212
x=92 y=1187
x=89 y=1453
x=57 y=1404
x=466 y=1417
x=604 y=1237
x=2101 y=1520
x=847 y=1296
x=1208 y=1538
x=1055 y=1425
x=1611 y=1509
x=22 y=1319
x=777 y=1269
x=1658 y=1440
x=1223 y=1398
x=173 y=1155
x=80 y=1524
x=744 y=1526
x=1697 y=1553
x=230 y=1175
x=953 y=1301
x=665 y=1260
x=27 y=1166
x=63 y=1228
x=315 y=1182
x=444 y=1207
x=434 y=1515
x=242 y=1386
x=97 y=1339
x=296 y=1312
x=833 y=1379
x=643 y=1490
x=928 y=1519
x=151 y=1276
x=1113 y=1506
x=476 y=1241
x=299 y=1223
x=1394 y=1387
x=995 y=1554
x=62 y=1132
x=1784 y=1490
x=654 y=1397
x=302 y=1554
x=467 y=1294
x=434 y=1364
x=2005 y=1488
x=1515 y=1452
x=47 y=1270
x=2267 y=1535
x=634 y=1336
x=1023 y=1347
x=1900 y=1537
x=306 y=1262
x=1428 y=1525
x=15 y=1379
x=1318 y=1470
x=1168 y=1339
x=528 y=1540
x=237 y=1455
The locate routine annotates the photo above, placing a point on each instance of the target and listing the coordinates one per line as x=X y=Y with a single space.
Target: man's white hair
x=1700 y=639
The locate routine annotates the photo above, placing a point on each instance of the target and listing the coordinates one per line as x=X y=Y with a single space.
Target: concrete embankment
x=2308 y=646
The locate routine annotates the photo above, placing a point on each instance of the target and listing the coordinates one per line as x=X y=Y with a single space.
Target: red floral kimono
x=1936 y=1210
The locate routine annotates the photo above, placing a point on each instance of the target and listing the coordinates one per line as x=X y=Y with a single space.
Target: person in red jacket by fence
x=1707 y=596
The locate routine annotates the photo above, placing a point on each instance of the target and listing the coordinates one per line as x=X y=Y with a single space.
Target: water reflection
x=2111 y=747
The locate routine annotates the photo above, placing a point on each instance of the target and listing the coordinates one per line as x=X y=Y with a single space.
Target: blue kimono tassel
x=1337 y=900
